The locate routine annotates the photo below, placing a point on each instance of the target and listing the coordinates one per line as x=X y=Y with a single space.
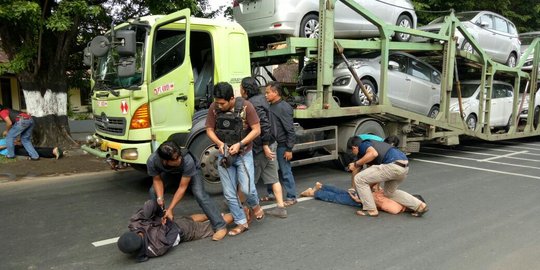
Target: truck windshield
x=106 y=75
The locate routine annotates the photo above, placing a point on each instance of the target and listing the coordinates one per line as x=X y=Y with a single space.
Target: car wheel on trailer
x=471 y=121
x=512 y=60
x=358 y=98
x=467 y=47
x=206 y=153
x=309 y=26
x=434 y=111
x=403 y=21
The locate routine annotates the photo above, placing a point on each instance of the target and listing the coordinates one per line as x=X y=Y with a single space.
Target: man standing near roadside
x=232 y=124
x=264 y=146
x=18 y=123
x=170 y=164
x=282 y=122
x=388 y=165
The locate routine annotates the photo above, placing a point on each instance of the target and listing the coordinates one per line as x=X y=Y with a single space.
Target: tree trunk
x=50 y=116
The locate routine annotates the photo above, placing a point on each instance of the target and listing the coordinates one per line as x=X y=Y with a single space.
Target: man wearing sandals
x=388 y=165
x=264 y=146
x=232 y=124
x=283 y=123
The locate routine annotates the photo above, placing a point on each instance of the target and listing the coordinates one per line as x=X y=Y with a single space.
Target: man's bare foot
x=317 y=186
x=308 y=193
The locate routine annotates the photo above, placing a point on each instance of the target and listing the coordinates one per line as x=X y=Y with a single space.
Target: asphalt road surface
x=484 y=214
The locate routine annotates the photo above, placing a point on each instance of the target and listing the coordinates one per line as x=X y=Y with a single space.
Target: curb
x=74 y=176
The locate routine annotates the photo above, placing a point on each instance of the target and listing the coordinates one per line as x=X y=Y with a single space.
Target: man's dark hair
x=251 y=86
x=223 y=90
x=168 y=150
x=354 y=141
x=276 y=86
x=130 y=243
x=392 y=140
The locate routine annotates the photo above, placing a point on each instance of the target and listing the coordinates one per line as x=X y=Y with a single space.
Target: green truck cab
x=152 y=80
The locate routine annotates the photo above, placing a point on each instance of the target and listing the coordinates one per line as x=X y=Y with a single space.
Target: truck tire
x=206 y=153
x=346 y=131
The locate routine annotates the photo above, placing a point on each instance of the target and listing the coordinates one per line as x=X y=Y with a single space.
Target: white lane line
x=509 y=156
x=478 y=169
x=517 y=147
x=105 y=242
x=473 y=159
x=499 y=150
x=490 y=155
x=115 y=239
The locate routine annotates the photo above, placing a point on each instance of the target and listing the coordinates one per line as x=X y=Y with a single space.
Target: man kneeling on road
x=169 y=163
x=152 y=234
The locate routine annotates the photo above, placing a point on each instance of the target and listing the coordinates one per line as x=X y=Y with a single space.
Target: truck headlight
x=130 y=154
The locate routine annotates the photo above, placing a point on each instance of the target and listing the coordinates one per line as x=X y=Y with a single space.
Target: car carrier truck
x=152 y=80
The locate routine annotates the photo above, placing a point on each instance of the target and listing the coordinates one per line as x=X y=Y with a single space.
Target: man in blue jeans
x=18 y=123
x=169 y=163
x=283 y=124
x=232 y=124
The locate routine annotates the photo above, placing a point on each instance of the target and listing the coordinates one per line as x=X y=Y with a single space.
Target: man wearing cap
x=388 y=165
x=152 y=235
x=171 y=164
x=18 y=124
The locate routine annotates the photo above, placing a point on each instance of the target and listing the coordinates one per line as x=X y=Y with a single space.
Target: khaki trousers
x=392 y=175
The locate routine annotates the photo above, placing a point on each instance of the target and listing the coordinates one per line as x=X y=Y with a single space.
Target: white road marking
x=478 y=169
x=115 y=239
x=500 y=150
x=494 y=162
x=105 y=242
x=491 y=155
x=509 y=156
x=518 y=147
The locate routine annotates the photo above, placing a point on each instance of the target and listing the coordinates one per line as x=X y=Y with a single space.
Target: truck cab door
x=170 y=91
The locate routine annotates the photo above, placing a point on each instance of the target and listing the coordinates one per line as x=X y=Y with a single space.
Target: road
x=483 y=198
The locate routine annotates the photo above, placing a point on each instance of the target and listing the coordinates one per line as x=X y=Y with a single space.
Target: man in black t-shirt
x=170 y=164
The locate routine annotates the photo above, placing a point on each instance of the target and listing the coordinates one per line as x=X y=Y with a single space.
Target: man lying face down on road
x=152 y=235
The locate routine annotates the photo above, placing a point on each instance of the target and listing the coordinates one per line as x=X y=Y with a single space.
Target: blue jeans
x=285 y=173
x=240 y=174
x=335 y=195
x=206 y=203
x=24 y=128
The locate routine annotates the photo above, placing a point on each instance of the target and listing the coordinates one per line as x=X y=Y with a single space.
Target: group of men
x=255 y=137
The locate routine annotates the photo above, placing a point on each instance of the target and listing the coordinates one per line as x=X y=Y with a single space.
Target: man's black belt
x=401 y=164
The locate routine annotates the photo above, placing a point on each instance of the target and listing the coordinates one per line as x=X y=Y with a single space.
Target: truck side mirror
x=126 y=42
x=87 y=56
x=126 y=67
x=99 y=46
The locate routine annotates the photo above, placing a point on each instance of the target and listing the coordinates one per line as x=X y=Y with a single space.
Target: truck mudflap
x=133 y=153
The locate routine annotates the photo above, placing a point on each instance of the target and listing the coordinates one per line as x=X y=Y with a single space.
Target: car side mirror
x=484 y=24
x=393 y=65
x=126 y=42
x=87 y=57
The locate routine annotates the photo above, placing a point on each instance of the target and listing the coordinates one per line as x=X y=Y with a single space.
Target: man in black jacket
x=264 y=146
x=282 y=122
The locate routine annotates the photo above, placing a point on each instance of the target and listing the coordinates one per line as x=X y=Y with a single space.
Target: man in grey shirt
x=170 y=164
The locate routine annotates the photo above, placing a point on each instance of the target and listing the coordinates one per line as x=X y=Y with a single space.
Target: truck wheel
x=346 y=131
x=309 y=27
x=206 y=153
x=358 y=98
x=403 y=21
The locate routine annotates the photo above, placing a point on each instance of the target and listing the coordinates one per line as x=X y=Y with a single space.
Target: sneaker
x=280 y=212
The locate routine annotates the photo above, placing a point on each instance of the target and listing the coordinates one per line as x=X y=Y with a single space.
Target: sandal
x=419 y=213
x=366 y=214
x=259 y=213
x=289 y=202
x=247 y=212
x=267 y=198
x=238 y=229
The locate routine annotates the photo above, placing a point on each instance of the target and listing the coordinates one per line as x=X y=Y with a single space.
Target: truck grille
x=110 y=125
